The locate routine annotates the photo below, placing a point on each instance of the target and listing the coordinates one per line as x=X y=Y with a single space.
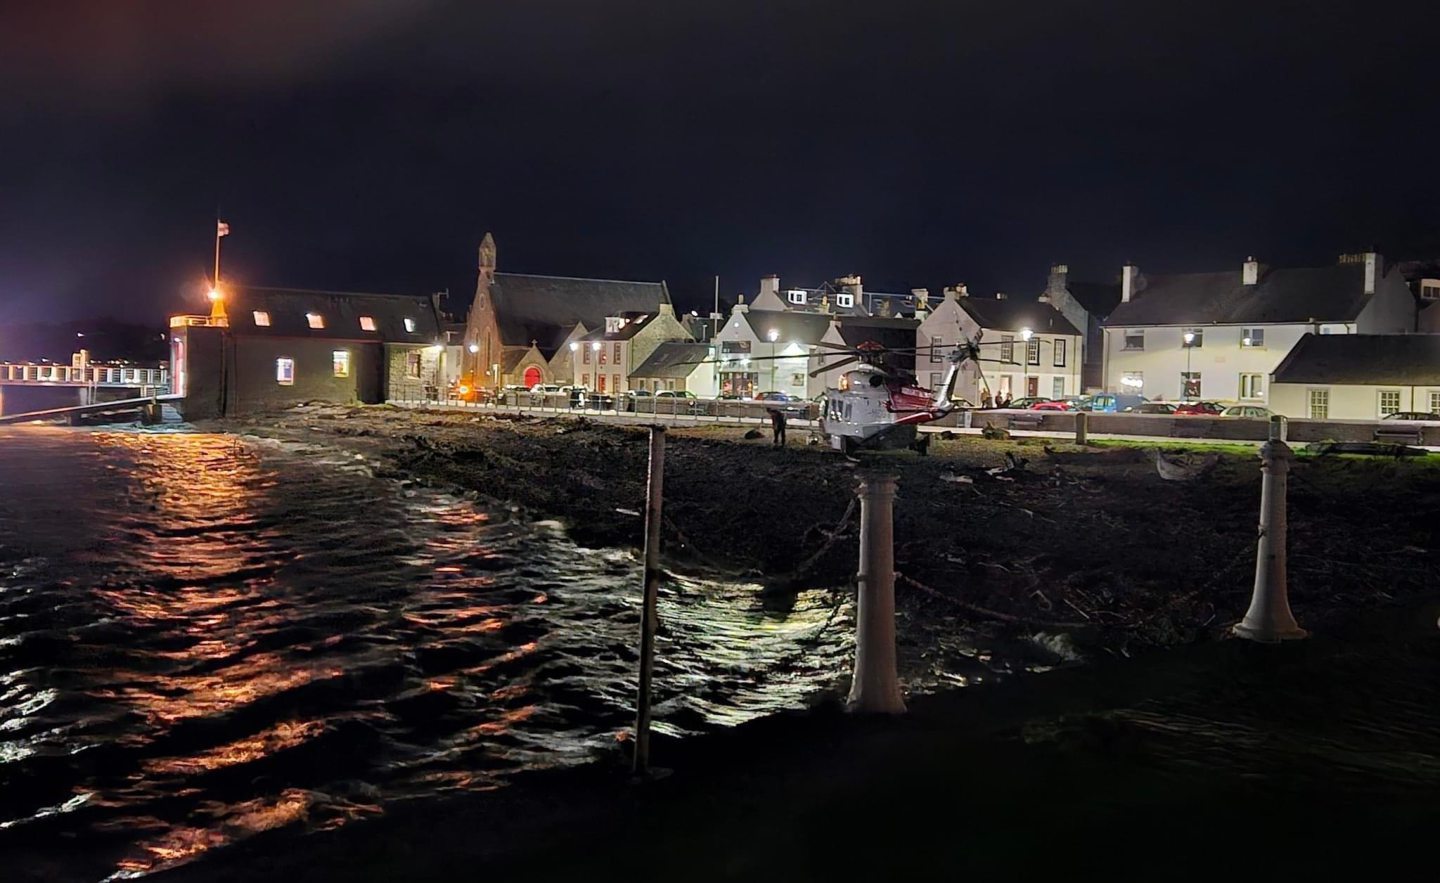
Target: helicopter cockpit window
x=876 y=380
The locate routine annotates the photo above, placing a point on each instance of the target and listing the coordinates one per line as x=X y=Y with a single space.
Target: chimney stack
x=769 y=285
x=1372 y=269
x=739 y=305
x=1129 y=276
x=1056 y=284
x=922 y=299
x=1250 y=274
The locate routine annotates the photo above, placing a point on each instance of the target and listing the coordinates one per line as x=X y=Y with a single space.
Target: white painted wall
x=951 y=324
x=1391 y=310
x=1347 y=402
x=1220 y=359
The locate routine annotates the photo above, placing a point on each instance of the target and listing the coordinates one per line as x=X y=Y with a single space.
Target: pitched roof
x=790 y=325
x=634 y=322
x=546 y=308
x=287 y=310
x=813 y=297
x=1098 y=298
x=1296 y=295
x=673 y=359
x=1396 y=359
x=1009 y=314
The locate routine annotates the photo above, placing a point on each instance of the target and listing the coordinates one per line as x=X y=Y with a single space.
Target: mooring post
x=648 y=613
x=1269 y=618
x=875 y=687
x=1082 y=427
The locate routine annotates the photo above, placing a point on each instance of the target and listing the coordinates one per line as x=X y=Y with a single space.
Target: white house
x=764 y=350
x=604 y=359
x=1028 y=348
x=1358 y=376
x=679 y=365
x=1218 y=336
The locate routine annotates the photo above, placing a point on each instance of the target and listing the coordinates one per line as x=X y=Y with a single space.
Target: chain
x=985 y=611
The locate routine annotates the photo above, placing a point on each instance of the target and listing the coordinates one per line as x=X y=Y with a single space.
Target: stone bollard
x=1269 y=619
x=1082 y=427
x=875 y=688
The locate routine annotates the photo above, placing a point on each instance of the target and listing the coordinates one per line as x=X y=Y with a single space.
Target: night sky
x=368 y=145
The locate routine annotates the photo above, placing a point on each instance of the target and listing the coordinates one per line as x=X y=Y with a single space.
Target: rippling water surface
x=202 y=638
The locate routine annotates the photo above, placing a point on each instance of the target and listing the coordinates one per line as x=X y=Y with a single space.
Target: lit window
x=341 y=360
x=1434 y=402
x=1190 y=384
x=1253 y=337
x=1252 y=386
x=1319 y=404
x=796 y=296
x=285 y=371
x=1032 y=351
x=1430 y=290
x=367 y=323
x=1133 y=381
x=1389 y=401
x=1135 y=340
x=262 y=318
x=936 y=345
x=315 y=319
x=409 y=325
x=412 y=365
x=844 y=299
x=1059 y=353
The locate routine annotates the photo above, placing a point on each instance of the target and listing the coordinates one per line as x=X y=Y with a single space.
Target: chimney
x=1129 y=275
x=1250 y=272
x=739 y=305
x=922 y=299
x=1057 y=283
x=1373 y=268
x=769 y=285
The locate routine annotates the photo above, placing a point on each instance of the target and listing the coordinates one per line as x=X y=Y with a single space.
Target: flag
x=222 y=228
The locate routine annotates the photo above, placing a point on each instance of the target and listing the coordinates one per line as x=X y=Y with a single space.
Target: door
x=1032 y=387
x=532 y=376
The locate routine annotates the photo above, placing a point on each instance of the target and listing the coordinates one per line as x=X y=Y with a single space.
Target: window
x=315 y=319
x=934 y=380
x=1252 y=386
x=1007 y=348
x=340 y=361
x=409 y=325
x=1252 y=337
x=585 y=380
x=1190 y=384
x=1434 y=402
x=1059 y=353
x=615 y=382
x=262 y=318
x=1132 y=382
x=1007 y=384
x=600 y=358
x=599 y=382
x=1057 y=388
x=586 y=358
x=1134 y=340
x=412 y=365
x=1430 y=290
x=844 y=299
x=367 y=323
x=935 y=346
x=797 y=379
x=1389 y=401
x=1032 y=351
x=1319 y=404
x=616 y=357
x=1197 y=338
x=285 y=371
x=795 y=296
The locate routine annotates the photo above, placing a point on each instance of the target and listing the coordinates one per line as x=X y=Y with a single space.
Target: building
x=845 y=297
x=265 y=348
x=605 y=359
x=679 y=365
x=772 y=350
x=519 y=327
x=1218 y=336
x=1085 y=305
x=1358 y=376
x=1027 y=347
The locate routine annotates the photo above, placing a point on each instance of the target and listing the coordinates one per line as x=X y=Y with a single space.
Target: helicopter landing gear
x=921 y=444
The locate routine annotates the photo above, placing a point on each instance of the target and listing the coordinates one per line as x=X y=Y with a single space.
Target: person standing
x=777 y=427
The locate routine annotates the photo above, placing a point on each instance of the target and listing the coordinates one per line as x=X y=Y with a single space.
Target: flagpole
x=217 y=252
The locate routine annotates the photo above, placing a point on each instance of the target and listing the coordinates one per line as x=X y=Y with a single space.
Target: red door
x=532 y=376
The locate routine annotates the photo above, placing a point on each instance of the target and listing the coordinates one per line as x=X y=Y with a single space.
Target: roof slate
x=1378 y=359
x=340 y=311
x=792 y=326
x=1282 y=296
x=637 y=322
x=1009 y=314
x=546 y=309
x=672 y=359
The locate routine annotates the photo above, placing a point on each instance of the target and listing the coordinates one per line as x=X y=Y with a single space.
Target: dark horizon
x=370 y=145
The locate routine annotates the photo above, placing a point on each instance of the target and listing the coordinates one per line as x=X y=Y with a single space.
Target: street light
x=1025 y=335
x=774 y=335
x=1189 y=345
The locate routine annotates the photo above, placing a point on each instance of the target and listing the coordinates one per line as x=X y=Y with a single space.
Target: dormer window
x=613 y=324
x=796 y=296
x=367 y=323
x=262 y=319
x=315 y=320
x=409 y=325
x=1430 y=289
x=844 y=299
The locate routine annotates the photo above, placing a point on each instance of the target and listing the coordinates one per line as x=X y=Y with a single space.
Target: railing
x=603 y=403
x=199 y=321
x=87 y=375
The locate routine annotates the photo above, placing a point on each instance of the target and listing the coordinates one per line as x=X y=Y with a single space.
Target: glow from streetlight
x=1026 y=334
x=1189 y=338
x=474 y=348
x=774 y=335
x=574 y=346
x=214 y=295
x=595 y=346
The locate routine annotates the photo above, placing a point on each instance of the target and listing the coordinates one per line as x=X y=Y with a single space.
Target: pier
x=29 y=387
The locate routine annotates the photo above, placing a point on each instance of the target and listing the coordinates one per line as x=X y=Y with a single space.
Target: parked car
x=1113 y=403
x=1412 y=415
x=775 y=396
x=1199 y=409
x=1151 y=408
x=1027 y=402
x=637 y=393
x=674 y=394
x=546 y=388
x=600 y=401
x=1254 y=412
x=1052 y=405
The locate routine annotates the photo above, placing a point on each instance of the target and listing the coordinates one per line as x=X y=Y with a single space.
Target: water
x=202 y=638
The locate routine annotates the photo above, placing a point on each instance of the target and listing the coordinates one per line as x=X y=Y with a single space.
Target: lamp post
x=1025 y=335
x=1189 y=345
x=773 y=336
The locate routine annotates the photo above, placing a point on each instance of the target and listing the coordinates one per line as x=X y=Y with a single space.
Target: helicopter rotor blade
x=832 y=366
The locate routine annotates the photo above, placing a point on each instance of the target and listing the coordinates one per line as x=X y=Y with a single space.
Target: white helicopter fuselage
x=873 y=409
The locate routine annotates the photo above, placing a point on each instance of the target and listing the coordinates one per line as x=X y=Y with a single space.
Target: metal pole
x=217 y=251
x=875 y=688
x=648 y=614
x=1269 y=619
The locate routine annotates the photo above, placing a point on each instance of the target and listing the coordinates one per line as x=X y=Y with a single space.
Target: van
x=1113 y=402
